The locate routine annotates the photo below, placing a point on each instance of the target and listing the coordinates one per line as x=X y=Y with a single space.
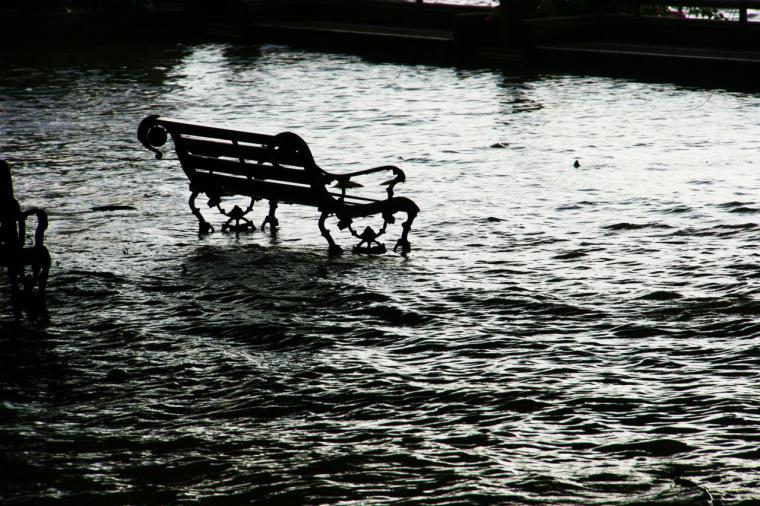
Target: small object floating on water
x=576 y=164
x=112 y=208
x=500 y=145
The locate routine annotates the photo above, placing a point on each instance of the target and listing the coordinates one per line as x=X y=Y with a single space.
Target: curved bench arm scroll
x=343 y=179
x=152 y=135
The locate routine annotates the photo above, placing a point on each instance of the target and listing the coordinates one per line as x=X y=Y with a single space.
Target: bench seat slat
x=237 y=151
x=254 y=170
x=205 y=147
x=284 y=193
x=230 y=185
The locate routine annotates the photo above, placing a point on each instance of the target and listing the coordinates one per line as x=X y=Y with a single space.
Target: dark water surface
x=558 y=335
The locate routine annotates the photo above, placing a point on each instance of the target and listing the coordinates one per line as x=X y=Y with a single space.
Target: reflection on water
x=559 y=334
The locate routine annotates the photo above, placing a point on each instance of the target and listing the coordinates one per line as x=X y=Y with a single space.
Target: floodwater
x=559 y=334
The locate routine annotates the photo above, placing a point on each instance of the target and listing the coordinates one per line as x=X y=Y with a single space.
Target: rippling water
x=558 y=335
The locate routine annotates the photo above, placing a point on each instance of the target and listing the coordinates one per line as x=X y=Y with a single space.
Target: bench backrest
x=220 y=161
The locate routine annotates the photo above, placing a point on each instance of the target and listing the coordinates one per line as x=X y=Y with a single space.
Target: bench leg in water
x=35 y=303
x=204 y=227
x=41 y=269
x=333 y=249
x=403 y=242
x=15 y=291
x=237 y=215
x=410 y=208
x=271 y=218
x=30 y=296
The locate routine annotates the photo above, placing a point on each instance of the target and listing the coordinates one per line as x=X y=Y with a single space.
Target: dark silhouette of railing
x=741 y=6
x=539 y=8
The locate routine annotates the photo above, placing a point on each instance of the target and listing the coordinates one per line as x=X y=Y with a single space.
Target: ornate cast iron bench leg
x=271 y=218
x=333 y=249
x=237 y=214
x=369 y=237
x=16 y=298
x=28 y=290
x=411 y=210
x=204 y=227
x=403 y=241
x=35 y=283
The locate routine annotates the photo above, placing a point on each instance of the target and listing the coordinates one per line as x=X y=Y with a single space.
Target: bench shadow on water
x=272 y=296
x=259 y=295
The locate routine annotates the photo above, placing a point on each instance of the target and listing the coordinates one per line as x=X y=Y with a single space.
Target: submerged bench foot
x=39 y=278
x=404 y=244
x=369 y=237
x=238 y=227
x=204 y=227
x=15 y=292
x=30 y=296
x=237 y=215
x=378 y=249
x=411 y=212
x=332 y=249
x=271 y=218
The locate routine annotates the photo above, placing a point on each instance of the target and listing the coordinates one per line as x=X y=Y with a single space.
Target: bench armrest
x=42 y=224
x=343 y=179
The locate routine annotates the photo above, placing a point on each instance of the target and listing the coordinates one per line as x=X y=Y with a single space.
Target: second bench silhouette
x=16 y=253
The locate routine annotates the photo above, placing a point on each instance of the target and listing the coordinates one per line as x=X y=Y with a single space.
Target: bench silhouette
x=16 y=254
x=280 y=168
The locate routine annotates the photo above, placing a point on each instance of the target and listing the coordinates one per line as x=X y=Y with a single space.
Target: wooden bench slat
x=237 y=151
x=184 y=128
x=253 y=170
x=207 y=147
x=231 y=185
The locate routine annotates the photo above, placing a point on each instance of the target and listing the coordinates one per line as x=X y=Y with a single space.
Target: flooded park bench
x=16 y=255
x=221 y=162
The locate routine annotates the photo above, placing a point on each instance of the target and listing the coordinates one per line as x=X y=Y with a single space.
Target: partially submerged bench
x=16 y=255
x=221 y=162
